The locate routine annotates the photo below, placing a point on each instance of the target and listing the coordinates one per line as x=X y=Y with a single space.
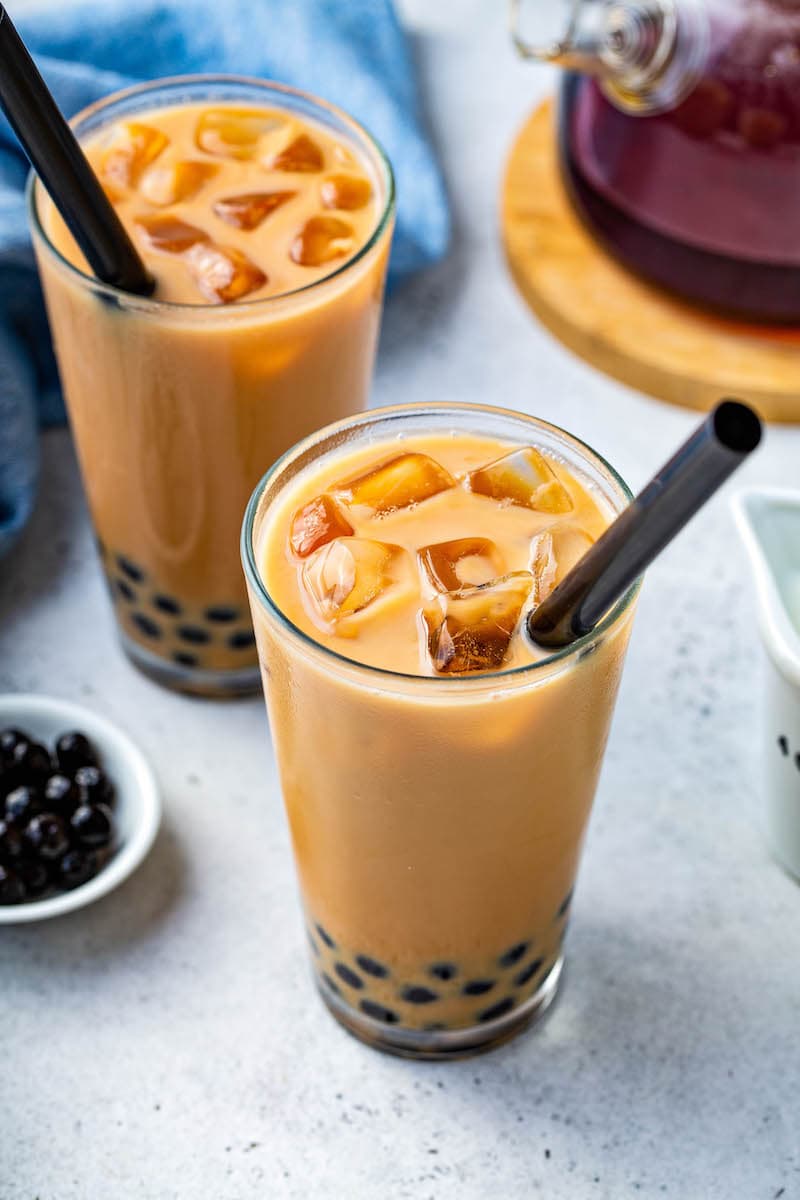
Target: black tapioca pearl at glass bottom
x=194 y=635
x=130 y=569
x=370 y=967
x=783 y=744
x=565 y=903
x=222 y=614
x=512 y=956
x=527 y=973
x=124 y=589
x=101 y=550
x=242 y=640
x=378 y=1012
x=314 y=947
x=333 y=987
x=414 y=994
x=184 y=660
x=478 y=987
x=497 y=1010
x=348 y=976
x=145 y=625
x=326 y=937
x=444 y=971
x=166 y=604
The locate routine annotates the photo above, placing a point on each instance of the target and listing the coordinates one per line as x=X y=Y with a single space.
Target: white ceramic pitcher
x=769 y=522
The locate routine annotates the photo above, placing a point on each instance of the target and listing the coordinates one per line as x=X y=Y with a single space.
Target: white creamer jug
x=769 y=522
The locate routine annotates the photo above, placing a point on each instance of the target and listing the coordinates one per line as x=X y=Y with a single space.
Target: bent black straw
x=642 y=531
x=62 y=167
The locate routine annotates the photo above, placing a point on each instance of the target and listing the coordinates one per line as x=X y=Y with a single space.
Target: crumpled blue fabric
x=352 y=52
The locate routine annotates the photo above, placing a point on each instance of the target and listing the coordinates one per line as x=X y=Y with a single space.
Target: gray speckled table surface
x=167 y=1043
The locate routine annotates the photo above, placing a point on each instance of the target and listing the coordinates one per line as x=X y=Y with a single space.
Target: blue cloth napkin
x=352 y=52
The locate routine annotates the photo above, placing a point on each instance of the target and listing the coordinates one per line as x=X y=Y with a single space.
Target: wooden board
x=615 y=321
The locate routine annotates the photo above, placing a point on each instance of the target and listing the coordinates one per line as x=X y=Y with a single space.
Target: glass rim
x=473 y=683
x=147 y=303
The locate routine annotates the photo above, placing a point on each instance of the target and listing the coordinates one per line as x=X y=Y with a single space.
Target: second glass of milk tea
x=265 y=216
x=437 y=767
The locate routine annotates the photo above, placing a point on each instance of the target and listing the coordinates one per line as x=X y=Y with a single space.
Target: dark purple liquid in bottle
x=705 y=199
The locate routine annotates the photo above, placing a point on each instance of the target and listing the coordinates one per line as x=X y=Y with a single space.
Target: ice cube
x=178 y=181
x=132 y=148
x=471 y=629
x=347 y=575
x=169 y=234
x=251 y=208
x=404 y=480
x=301 y=154
x=222 y=273
x=522 y=477
x=553 y=555
x=316 y=523
x=348 y=192
x=464 y=562
x=234 y=132
x=322 y=240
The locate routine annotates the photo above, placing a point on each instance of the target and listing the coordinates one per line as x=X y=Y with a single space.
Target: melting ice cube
x=302 y=154
x=251 y=208
x=234 y=132
x=132 y=148
x=471 y=629
x=222 y=273
x=169 y=234
x=316 y=523
x=464 y=562
x=553 y=555
x=523 y=477
x=178 y=181
x=347 y=575
x=404 y=480
x=321 y=240
x=347 y=192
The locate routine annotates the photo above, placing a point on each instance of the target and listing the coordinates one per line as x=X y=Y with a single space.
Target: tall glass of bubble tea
x=437 y=768
x=265 y=216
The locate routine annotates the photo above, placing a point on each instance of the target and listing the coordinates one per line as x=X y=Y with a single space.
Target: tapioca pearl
x=145 y=625
x=185 y=660
x=527 y=973
x=168 y=605
x=565 y=903
x=444 y=971
x=314 y=947
x=222 y=614
x=783 y=745
x=194 y=635
x=100 y=546
x=512 y=956
x=370 y=967
x=326 y=937
x=478 y=987
x=243 y=640
x=124 y=589
x=415 y=994
x=130 y=569
x=334 y=987
x=378 y=1012
x=348 y=976
x=497 y=1010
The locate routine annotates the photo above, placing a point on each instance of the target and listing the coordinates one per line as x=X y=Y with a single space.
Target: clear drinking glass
x=437 y=823
x=177 y=407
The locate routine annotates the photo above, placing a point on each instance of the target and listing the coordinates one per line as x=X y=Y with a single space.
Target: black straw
x=641 y=532
x=62 y=167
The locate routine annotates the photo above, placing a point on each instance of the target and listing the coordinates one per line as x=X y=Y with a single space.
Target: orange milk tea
x=267 y=232
x=438 y=792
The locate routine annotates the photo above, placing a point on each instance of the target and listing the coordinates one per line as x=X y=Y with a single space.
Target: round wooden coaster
x=619 y=323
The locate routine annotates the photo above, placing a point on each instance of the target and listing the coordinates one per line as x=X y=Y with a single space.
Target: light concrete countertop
x=167 y=1043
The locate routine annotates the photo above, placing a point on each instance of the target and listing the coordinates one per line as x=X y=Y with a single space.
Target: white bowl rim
x=19 y=706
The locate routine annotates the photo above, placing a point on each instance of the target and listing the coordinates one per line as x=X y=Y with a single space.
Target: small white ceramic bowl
x=137 y=808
